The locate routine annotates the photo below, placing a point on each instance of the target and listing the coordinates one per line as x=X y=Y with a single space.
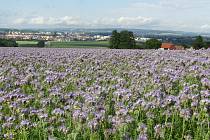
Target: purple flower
x=205 y=82
x=1 y=100
x=25 y=123
x=58 y=111
x=142 y=137
x=186 y=113
x=43 y=116
x=93 y=124
x=9 y=136
x=7 y=125
x=159 y=131
x=63 y=129
x=142 y=128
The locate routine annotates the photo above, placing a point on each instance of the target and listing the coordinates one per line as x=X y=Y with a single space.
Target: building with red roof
x=168 y=46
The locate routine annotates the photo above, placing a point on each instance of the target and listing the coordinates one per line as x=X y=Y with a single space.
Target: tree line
x=199 y=43
x=13 y=43
x=126 y=40
x=8 y=43
x=122 y=40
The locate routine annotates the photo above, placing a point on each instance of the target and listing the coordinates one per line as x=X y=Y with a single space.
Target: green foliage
x=31 y=43
x=78 y=44
x=123 y=40
x=27 y=43
x=152 y=44
x=8 y=43
x=70 y=87
x=207 y=44
x=41 y=44
x=65 y=44
x=127 y=40
x=115 y=40
x=139 y=46
x=186 y=46
x=199 y=43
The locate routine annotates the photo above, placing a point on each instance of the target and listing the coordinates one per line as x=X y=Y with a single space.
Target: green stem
x=171 y=127
x=183 y=129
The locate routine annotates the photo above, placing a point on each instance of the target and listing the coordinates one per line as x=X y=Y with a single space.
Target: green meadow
x=78 y=44
x=27 y=43
x=69 y=44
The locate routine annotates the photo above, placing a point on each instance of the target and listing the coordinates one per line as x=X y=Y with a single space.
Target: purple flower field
x=102 y=94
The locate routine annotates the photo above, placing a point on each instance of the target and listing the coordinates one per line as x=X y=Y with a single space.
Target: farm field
x=103 y=94
x=27 y=43
x=78 y=44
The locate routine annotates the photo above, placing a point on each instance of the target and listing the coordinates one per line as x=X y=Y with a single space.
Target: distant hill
x=109 y=30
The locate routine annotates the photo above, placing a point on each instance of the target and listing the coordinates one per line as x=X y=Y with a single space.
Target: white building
x=142 y=39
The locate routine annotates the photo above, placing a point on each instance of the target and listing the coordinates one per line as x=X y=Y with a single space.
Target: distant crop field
x=78 y=44
x=27 y=43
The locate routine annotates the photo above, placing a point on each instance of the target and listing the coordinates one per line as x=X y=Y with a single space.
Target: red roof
x=168 y=46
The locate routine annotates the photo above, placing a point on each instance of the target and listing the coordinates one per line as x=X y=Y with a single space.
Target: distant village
x=169 y=42
x=53 y=36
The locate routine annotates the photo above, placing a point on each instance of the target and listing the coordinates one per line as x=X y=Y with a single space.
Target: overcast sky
x=183 y=15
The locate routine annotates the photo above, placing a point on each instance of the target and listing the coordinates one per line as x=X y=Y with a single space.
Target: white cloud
x=65 y=21
x=205 y=26
x=134 y=21
x=184 y=15
x=20 y=21
x=124 y=21
x=72 y=21
x=38 y=21
x=69 y=21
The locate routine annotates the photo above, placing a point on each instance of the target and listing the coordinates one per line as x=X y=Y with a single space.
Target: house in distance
x=168 y=46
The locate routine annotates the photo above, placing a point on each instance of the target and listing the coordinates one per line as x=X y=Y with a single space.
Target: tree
x=199 y=43
x=8 y=43
x=122 y=40
x=207 y=44
x=152 y=44
x=115 y=40
x=132 y=41
x=41 y=44
x=127 y=40
x=186 y=46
